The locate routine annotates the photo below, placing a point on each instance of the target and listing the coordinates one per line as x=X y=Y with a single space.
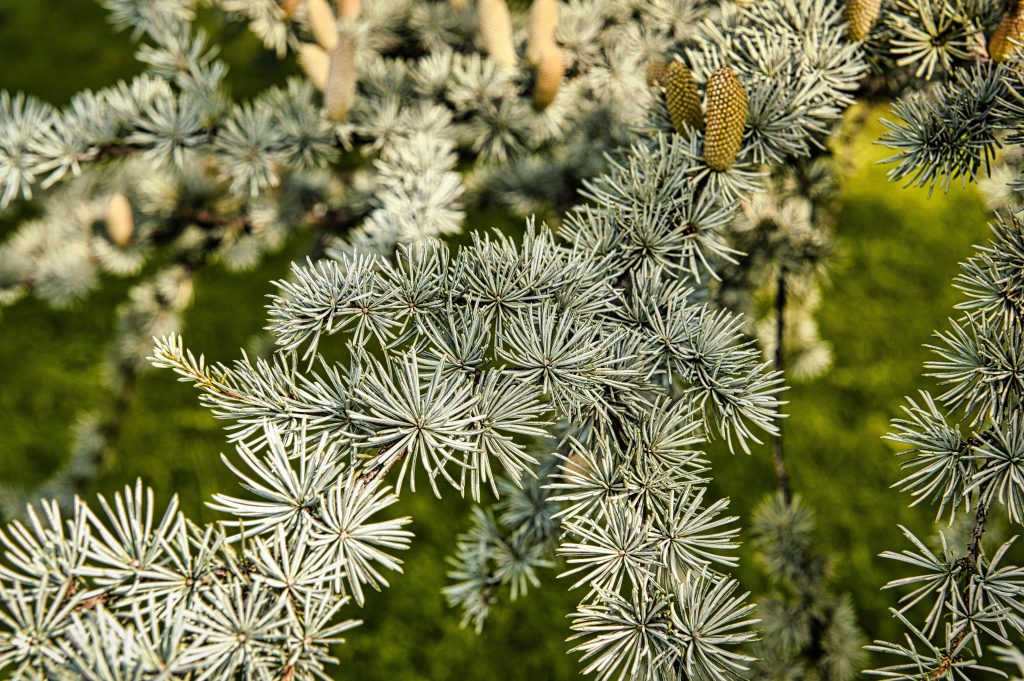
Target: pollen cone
x=340 y=92
x=726 y=105
x=120 y=224
x=496 y=31
x=315 y=62
x=541 y=29
x=861 y=15
x=549 y=75
x=322 y=24
x=681 y=98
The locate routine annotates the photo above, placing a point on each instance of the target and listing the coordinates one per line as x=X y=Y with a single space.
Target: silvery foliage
x=236 y=178
x=574 y=376
x=964 y=450
x=961 y=602
x=210 y=180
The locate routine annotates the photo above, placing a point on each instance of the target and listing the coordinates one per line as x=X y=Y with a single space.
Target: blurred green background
x=890 y=287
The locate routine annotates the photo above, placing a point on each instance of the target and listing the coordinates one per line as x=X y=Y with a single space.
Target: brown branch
x=778 y=457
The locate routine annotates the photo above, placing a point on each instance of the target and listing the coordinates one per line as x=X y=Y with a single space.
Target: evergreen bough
x=572 y=375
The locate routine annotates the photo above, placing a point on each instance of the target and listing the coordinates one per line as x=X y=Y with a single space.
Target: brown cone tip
x=289 y=8
x=726 y=104
x=681 y=98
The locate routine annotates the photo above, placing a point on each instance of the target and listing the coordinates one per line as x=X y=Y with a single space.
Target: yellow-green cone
x=726 y=104
x=861 y=16
x=1011 y=28
x=656 y=72
x=681 y=98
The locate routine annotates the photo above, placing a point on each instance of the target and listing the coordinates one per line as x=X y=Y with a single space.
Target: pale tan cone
x=458 y=4
x=322 y=24
x=315 y=62
x=349 y=9
x=496 y=31
x=541 y=29
x=340 y=92
x=120 y=224
x=549 y=75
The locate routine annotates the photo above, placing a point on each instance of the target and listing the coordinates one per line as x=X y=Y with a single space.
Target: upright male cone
x=541 y=27
x=1009 y=34
x=726 y=104
x=322 y=24
x=341 y=79
x=549 y=74
x=861 y=16
x=682 y=98
x=120 y=224
x=496 y=31
x=316 y=63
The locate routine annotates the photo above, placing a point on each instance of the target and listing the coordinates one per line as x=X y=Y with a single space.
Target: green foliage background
x=898 y=252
